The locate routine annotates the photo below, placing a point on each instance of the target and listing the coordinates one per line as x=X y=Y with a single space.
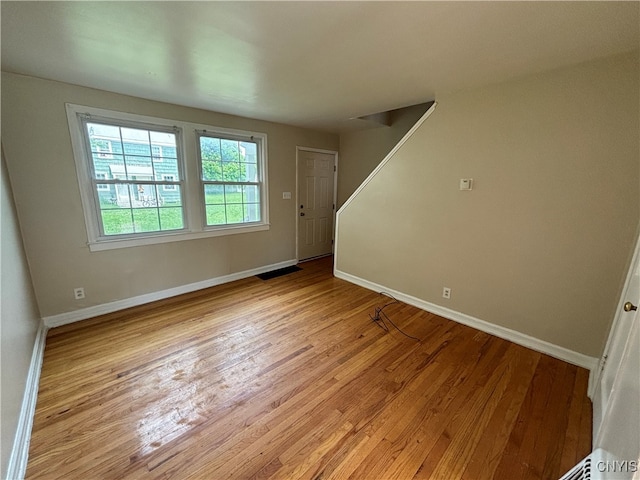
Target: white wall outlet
x=446 y=292
x=286 y=195
x=78 y=293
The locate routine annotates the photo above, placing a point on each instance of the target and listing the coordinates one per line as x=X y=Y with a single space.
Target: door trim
x=594 y=379
x=335 y=194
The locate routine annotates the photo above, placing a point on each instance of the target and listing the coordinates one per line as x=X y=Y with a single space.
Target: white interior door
x=616 y=419
x=316 y=176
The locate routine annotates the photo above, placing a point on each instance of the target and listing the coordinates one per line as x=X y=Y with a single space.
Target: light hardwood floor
x=289 y=378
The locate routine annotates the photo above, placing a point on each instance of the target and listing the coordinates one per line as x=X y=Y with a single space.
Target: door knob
x=302 y=214
x=628 y=307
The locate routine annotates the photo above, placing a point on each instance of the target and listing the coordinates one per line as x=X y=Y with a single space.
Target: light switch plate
x=466 y=183
x=286 y=195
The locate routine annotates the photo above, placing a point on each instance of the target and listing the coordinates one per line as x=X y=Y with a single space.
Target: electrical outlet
x=446 y=292
x=78 y=293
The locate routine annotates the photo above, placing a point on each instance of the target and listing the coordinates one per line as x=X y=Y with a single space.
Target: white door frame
x=595 y=382
x=335 y=194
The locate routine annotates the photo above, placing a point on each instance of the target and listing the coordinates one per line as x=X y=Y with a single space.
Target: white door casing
x=315 y=202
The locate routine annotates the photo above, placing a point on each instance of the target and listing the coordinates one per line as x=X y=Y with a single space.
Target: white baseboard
x=20 y=452
x=533 y=343
x=90 y=312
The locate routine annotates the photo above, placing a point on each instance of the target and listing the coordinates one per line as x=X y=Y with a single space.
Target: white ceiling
x=312 y=64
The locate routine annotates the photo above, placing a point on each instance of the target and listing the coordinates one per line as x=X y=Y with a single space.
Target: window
x=131 y=172
x=231 y=179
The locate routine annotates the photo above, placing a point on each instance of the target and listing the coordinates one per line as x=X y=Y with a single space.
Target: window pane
x=210 y=148
x=165 y=140
x=103 y=131
x=214 y=194
x=101 y=148
x=108 y=165
x=232 y=172
x=112 y=167
x=171 y=197
x=168 y=168
x=171 y=218
x=249 y=152
x=212 y=171
x=170 y=193
x=216 y=215
x=135 y=139
x=233 y=194
x=250 y=194
x=139 y=167
x=235 y=213
x=252 y=212
x=145 y=195
x=117 y=222
x=164 y=164
x=107 y=197
x=248 y=172
x=230 y=150
x=146 y=220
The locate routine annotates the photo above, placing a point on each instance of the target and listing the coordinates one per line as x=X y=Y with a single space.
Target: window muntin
x=134 y=195
x=231 y=176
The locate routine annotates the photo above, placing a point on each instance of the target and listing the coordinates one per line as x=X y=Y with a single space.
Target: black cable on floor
x=380 y=316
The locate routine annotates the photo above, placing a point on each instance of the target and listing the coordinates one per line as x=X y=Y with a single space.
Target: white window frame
x=191 y=190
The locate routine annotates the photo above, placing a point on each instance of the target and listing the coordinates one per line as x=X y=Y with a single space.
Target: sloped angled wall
x=541 y=244
x=362 y=150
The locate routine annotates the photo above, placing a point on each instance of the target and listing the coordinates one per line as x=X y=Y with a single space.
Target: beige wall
x=19 y=321
x=42 y=171
x=362 y=150
x=541 y=244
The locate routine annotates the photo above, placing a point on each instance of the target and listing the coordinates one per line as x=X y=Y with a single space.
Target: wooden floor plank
x=291 y=379
x=491 y=445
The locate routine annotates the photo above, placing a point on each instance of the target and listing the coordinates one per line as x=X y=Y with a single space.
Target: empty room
x=320 y=240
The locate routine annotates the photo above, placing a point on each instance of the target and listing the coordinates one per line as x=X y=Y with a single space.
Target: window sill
x=112 y=244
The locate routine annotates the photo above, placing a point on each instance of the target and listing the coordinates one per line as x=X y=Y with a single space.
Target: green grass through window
x=120 y=221
x=124 y=220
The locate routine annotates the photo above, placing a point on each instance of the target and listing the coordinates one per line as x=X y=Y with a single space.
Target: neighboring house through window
x=101 y=186
x=156 y=152
x=170 y=186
